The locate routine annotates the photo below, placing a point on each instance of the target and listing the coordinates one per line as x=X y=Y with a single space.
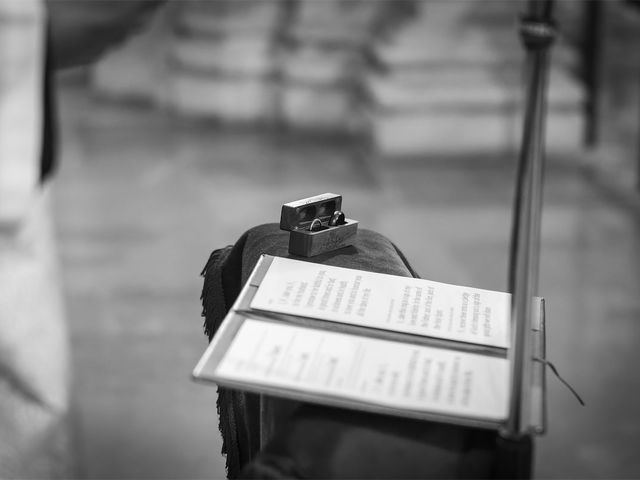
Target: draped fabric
x=275 y=438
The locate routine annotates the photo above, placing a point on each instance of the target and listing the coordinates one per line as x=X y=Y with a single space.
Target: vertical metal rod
x=591 y=64
x=638 y=154
x=537 y=175
x=524 y=258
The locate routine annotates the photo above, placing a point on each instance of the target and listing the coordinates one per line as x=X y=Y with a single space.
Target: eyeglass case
x=297 y=216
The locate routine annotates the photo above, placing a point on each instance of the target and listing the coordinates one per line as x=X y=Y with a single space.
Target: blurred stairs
x=455 y=85
x=222 y=59
x=290 y=63
x=450 y=83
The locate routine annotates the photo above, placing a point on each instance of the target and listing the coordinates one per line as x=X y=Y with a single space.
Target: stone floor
x=142 y=199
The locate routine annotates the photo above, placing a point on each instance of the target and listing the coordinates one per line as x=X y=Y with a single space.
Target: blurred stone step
x=420 y=133
x=487 y=115
x=232 y=99
x=244 y=55
x=468 y=87
x=473 y=49
x=335 y=34
x=334 y=109
x=415 y=116
x=324 y=66
x=223 y=18
x=346 y=23
x=348 y=13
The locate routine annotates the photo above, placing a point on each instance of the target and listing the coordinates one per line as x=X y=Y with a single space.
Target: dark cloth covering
x=311 y=441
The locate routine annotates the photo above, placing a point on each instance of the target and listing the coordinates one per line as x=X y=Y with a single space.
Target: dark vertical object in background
x=48 y=152
x=591 y=65
x=515 y=443
x=636 y=4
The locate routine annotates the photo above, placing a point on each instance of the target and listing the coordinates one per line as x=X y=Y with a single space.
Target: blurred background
x=217 y=112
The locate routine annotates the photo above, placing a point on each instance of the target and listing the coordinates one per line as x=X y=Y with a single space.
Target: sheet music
x=376 y=371
x=388 y=302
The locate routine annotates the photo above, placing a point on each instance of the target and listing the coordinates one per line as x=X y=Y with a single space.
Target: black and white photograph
x=323 y=239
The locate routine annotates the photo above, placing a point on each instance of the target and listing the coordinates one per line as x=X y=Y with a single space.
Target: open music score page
x=374 y=371
x=272 y=343
x=402 y=304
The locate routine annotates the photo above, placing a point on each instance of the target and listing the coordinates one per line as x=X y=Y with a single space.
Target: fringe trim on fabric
x=214 y=308
x=227 y=427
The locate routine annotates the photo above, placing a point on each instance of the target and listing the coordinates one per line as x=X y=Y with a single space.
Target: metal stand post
x=591 y=66
x=515 y=444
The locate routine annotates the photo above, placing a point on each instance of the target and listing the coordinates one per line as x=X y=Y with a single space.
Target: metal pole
x=591 y=65
x=537 y=34
x=638 y=154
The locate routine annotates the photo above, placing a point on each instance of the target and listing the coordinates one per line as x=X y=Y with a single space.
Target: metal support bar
x=592 y=40
x=538 y=33
x=638 y=153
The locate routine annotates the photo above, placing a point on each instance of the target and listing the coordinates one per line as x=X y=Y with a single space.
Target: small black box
x=297 y=216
